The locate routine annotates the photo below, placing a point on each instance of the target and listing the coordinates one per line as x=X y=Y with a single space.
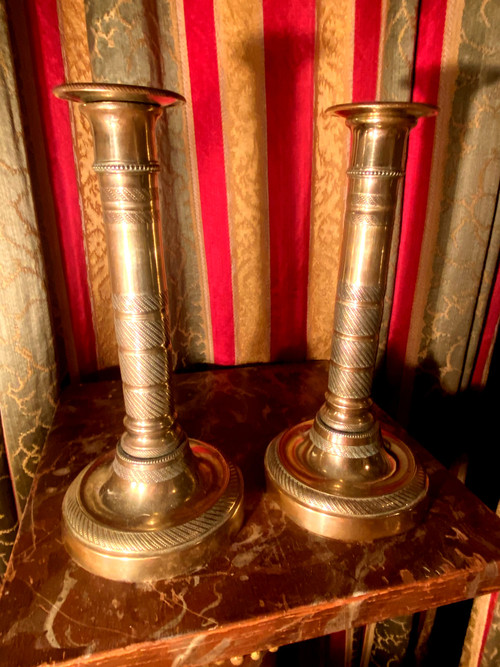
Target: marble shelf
x=276 y=585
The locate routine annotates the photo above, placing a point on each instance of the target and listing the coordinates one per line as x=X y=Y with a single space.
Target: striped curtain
x=252 y=191
x=253 y=172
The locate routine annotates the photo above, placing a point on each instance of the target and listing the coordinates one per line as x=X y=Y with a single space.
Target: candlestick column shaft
x=160 y=505
x=125 y=160
x=341 y=475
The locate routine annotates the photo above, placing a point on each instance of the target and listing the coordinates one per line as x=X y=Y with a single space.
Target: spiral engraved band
x=354 y=344
x=352 y=292
x=147 y=402
x=144 y=475
x=357 y=319
x=333 y=445
x=139 y=334
x=140 y=303
x=353 y=352
x=144 y=368
x=350 y=382
x=134 y=542
x=403 y=498
x=150 y=470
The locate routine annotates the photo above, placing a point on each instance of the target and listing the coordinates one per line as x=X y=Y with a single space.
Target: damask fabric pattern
x=250 y=277
x=461 y=238
x=28 y=379
x=482 y=641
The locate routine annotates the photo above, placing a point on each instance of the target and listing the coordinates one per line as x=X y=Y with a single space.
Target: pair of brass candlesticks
x=162 y=505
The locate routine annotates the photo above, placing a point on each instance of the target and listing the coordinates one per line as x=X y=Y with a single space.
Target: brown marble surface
x=277 y=584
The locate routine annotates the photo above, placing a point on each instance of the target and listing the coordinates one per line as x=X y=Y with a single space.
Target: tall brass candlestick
x=340 y=475
x=160 y=505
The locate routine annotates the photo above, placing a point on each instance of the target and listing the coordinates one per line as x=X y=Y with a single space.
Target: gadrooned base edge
x=363 y=517
x=152 y=555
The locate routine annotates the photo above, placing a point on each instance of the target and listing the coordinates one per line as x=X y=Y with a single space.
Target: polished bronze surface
x=277 y=583
x=161 y=505
x=340 y=475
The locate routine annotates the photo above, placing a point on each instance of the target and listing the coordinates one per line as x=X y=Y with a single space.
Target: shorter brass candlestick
x=160 y=505
x=341 y=475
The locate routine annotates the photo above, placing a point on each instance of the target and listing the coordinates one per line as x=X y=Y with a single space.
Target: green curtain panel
x=28 y=377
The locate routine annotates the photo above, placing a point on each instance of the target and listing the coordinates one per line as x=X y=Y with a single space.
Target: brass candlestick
x=160 y=505
x=340 y=475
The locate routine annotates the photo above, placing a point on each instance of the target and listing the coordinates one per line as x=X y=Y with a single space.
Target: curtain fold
x=28 y=371
x=240 y=289
x=144 y=43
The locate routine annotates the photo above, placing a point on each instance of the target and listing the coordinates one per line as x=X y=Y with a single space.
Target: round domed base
x=353 y=510
x=168 y=539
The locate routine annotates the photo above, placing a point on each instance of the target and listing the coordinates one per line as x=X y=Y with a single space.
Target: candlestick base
x=352 y=507
x=161 y=505
x=145 y=520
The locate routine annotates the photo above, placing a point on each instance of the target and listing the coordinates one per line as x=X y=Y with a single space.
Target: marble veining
x=276 y=584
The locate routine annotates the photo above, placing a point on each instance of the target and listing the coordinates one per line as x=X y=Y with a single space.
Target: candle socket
x=342 y=475
x=160 y=505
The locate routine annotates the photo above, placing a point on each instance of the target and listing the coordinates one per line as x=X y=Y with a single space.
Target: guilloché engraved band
x=160 y=505
x=341 y=475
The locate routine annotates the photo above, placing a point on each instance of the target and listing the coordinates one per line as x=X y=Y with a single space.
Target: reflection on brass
x=160 y=505
x=340 y=475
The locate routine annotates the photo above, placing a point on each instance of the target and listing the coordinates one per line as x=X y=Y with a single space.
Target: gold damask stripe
x=394 y=83
x=76 y=57
x=333 y=85
x=240 y=49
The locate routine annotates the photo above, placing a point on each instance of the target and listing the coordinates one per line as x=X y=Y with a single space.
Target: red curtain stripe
x=206 y=104
x=366 y=50
x=45 y=38
x=289 y=33
x=289 y=53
